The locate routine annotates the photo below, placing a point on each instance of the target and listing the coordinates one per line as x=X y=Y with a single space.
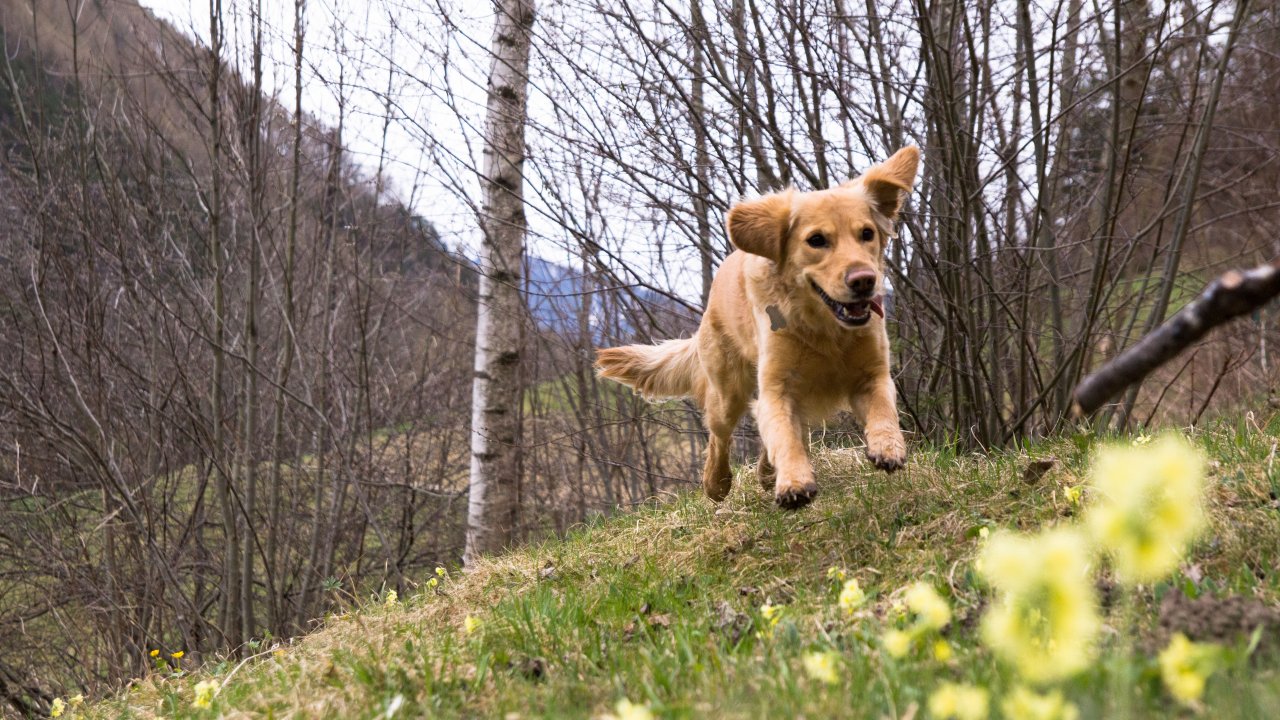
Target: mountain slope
x=664 y=607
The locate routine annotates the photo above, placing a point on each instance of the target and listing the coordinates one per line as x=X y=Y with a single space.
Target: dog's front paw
x=886 y=449
x=794 y=497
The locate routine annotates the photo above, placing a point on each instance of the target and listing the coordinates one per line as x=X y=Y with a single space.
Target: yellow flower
x=76 y=699
x=942 y=651
x=1026 y=704
x=1044 y=617
x=1141 y=440
x=205 y=690
x=1149 y=506
x=932 y=611
x=392 y=599
x=155 y=653
x=822 y=666
x=432 y=583
x=57 y=708
x=984 y=532
x=952 y=701
x=627 y=710
x=897 y=643
x=771 y=613
x=835 y=573
x=440 y=571
x=472 y=624
x=177 y=655
x=851 y=595
x=1185 y=666
x=1072 y=494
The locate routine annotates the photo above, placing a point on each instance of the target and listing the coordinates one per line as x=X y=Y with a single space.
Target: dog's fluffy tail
x=669 y=369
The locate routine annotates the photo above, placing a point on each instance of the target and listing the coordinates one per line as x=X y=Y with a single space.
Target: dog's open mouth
x=852 y=314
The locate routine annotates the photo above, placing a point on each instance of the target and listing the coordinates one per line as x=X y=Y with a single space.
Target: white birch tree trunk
x=497 y=392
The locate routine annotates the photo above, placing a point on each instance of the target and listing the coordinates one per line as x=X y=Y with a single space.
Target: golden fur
x=767 y=329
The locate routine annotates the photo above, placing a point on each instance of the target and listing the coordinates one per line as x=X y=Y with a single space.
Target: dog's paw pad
x=796 y=498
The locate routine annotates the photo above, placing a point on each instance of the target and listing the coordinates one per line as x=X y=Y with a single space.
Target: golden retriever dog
x=795 y=321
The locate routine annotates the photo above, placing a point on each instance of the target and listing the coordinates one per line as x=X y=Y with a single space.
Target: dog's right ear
x=760 y=226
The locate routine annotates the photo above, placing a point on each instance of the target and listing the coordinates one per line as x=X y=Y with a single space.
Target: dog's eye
x=817 y=240
x=868 y=234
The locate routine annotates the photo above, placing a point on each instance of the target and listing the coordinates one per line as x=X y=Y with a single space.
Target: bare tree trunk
x=230 y=600
x=497 y=397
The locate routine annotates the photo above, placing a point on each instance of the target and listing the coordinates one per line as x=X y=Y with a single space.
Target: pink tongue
x=876 y=307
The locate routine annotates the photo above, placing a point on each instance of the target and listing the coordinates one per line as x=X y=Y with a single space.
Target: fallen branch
x=1228 y=297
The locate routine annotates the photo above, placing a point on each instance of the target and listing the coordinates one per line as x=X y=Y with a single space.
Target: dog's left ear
x=760 y=226
x=888 y=183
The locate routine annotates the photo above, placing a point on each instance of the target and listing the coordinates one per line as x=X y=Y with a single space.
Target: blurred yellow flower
x=1044 y=617
x=984 y=532
x=432 y=583
x=627 y=710
x=1072 y=494
x=77 y=699
x=952 y=701
x=392 y=599
x=931 y=609
x=57 y=708
x=851 y=595
x=440 y=571
x=177 y=655
x=1149 y=506
x=205 y=690
x=155 y=653
x=1185 y=666
x=1026 y=704
x=822 y=666
x=897 y=643
x=471 y=624
x=942 y=651
x=835 y=573
x=771 y=613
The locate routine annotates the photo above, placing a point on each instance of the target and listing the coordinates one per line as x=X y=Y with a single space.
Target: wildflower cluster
x=772 y=615
x=1044 y=618
x=821 y=666
x=1185 y=666
x=952 y=701
x=59 y=707
x=627 y=710
x=929 y=611
x=205 y=690
x=1148 y=506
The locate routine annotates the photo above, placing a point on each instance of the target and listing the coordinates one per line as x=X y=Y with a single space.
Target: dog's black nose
x=861 y=282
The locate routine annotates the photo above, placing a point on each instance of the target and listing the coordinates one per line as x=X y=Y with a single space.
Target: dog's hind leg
x=723 y=410
x=766 y=473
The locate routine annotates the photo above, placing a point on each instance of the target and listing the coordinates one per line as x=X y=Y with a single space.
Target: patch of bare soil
x=1220 y=620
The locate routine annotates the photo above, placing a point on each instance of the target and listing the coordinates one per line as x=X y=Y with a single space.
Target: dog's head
x=829 y=244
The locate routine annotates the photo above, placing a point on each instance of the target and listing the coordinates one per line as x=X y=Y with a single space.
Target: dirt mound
x=1221 y=620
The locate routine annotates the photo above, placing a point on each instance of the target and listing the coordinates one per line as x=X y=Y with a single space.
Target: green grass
x=662 y=606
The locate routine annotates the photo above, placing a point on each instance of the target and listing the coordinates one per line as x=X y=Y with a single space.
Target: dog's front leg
x=783 y=435
x=876 y=409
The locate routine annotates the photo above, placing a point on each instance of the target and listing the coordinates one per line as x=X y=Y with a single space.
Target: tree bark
x=497 y=393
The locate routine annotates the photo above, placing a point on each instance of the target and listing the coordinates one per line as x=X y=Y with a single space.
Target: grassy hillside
x=663 y=607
